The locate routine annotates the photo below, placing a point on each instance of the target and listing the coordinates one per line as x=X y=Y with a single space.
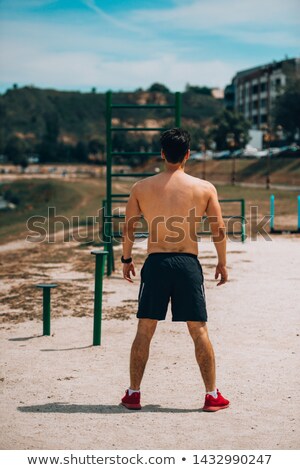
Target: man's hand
x=222 y=271
x=127 y=269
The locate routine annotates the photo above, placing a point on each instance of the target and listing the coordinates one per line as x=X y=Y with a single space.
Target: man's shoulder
x=139 y=185
x=203 y=184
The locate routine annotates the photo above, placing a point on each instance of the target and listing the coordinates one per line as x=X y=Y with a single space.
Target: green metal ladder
x=108 y=216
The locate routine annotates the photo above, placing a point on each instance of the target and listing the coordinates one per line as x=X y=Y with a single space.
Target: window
x=263 y=87
x=263 y=118
x=254 y=89
x=263 y=103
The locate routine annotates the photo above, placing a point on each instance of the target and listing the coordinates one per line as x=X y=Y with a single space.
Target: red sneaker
x=132 y=402
x=215 y=404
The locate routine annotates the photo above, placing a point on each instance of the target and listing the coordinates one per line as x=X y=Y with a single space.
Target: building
x=253 y=91
x=217 y=93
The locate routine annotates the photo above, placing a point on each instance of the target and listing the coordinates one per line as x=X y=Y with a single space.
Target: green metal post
x=272 y=212
x=46 y=307
x=46 y=311
x=177 y=109
x=108 y=220
x=298 y=224
x=99 y=266
x=243 y=214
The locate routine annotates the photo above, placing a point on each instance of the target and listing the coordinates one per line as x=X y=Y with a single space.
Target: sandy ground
x=59 y=392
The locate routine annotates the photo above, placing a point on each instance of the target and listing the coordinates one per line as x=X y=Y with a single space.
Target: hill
x=38 y=117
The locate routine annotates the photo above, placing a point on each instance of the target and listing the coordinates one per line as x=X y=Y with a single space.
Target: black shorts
x=175 y=276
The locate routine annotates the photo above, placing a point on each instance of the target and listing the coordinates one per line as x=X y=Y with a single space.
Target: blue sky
x=126 y=44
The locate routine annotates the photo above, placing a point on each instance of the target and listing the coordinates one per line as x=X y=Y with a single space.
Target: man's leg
x=204 y=353
x=140 y=351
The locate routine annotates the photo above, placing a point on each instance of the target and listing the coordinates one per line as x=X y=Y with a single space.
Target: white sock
x=213 y=394
x=130 y=391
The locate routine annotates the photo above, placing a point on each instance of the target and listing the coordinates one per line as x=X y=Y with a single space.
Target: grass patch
x=34 y=197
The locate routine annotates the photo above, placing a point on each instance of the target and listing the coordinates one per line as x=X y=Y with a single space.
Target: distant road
x=284 y=187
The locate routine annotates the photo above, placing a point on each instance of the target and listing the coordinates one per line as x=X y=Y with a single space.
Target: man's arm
x=218 y=231
x=133 y=214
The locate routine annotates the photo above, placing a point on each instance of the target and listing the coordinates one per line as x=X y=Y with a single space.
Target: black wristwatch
x=126 y=261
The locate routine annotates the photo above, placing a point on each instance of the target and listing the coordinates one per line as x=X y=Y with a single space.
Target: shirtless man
x=172 y=203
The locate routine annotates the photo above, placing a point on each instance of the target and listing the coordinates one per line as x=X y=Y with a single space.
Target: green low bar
x=99 y=270
x=46 y=307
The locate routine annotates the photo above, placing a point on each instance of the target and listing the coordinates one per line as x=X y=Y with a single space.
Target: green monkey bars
x=108 y=215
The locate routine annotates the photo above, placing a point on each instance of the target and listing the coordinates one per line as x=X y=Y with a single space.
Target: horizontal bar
x=118 y=200
x=134 y=153
x=120 y=195
x=144 y=106
x=160 y=129
x=133 y=174
x=113 y=201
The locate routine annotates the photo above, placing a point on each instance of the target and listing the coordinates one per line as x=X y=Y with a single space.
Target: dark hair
x=175 y=143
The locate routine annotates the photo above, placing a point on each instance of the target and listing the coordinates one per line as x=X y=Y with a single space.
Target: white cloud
x=91 y=48
x=210 y=14
x=125 y=25
x=69 y=70
x=255 y=21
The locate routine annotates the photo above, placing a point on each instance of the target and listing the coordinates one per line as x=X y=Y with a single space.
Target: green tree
x=51 y=128
x=15 y=150
x=287 y=109
x=230 y=123
x=95 y=146
x=201 y=90
x=198 y=137
x=48 y=147
x=159 y=87
x=80 y=152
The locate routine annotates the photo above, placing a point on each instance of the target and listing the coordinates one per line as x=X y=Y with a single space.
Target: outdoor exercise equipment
x=100 y=256
x=108 y=216
x=272 y=218
x=46 y=306
x=99 y=271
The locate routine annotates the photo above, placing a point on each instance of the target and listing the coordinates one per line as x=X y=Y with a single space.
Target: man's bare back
x=173 y=203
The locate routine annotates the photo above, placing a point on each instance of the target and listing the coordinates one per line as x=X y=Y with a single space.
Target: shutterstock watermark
x=174 y=229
